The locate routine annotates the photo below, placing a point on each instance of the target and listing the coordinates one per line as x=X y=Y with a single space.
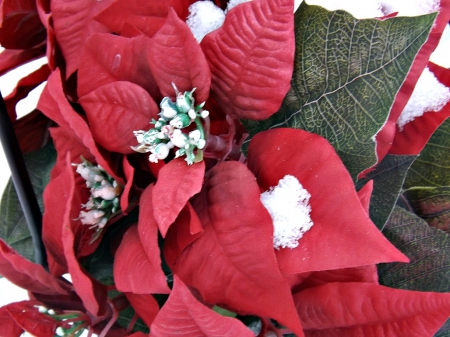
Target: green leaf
x=13 y=226
x=432 y=168
x=428 y=249
x=432 y=204
x=347 y=73
x=388 y=178
x=125 y=317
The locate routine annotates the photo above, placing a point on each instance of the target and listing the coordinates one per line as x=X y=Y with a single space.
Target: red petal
x=108 y=58
x=233 y=261
x=117 y=109
x=32 y=131
x=31 y=320
x=54 y=105
x=364 y=195
x=185 y=230
x=176 y=57
x=134 y=270
x=128 y=170
x=415 y=135
x=28 y=275
x=10 y=59
x=251 y=58
x=8 y=327
x=369 y=310
x=145 y=306
x=148 y=18
x=177 y=183
x=184 y=315
x=338 y=216
x=73 y=23
x=386 y=134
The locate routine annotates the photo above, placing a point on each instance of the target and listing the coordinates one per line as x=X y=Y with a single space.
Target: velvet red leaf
x=233 y=261
x=31 y=320
x=148 y=18
x=8 y=327
x=415 y=135
x=336 y=211
x=54 y=105
x=177 y=183
x=251 y=58
x=32 y=131
x=28 y=275
x=10 y=59
x=176 y=57
x=92 y=293
x=364 y=195
x=370 y=310
x=134 y=271
x=185 y=230
x=73 y=24
x=386 y=135
x=108 y=58
x=117 y=109
x=183 y=315
x=145 y=306
x=128 y=170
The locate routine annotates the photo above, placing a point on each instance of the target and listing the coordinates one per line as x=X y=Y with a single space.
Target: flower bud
x=168 y=108
x=181 y=121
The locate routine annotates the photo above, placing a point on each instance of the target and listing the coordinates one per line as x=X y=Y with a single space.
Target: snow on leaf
x=251 y=58
x=184 y=315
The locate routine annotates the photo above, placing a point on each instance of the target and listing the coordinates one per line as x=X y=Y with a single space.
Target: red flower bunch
x=204 y=239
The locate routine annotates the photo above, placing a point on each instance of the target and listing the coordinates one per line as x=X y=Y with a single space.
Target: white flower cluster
x=288 y=205
x=205 y=16
x=428 y=95
x=104 y=199
x=167 y=133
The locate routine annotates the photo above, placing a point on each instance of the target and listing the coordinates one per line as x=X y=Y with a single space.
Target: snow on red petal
x=108 y=58
x=29 y=275
x=251 y=58
x=183 y=315
x=177 y=183
x=176 y=57
x=145 y=306
x=415 y=135
x=336 y=211
x=370 y=310
x=54 y=105
x=148 y=18
x=134 y=271
x=73 y=23
x=117 y=109
x=233 y=261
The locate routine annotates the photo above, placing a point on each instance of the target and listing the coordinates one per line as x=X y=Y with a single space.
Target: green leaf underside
x=388 y=178
x=346 y=75
x=428 y=249
x=432 y=204
x=13 y=226
x=432 y=168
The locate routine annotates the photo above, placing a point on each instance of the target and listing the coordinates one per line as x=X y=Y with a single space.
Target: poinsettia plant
x=229 y=168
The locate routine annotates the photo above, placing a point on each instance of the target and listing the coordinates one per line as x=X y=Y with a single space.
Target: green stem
x=200 y=127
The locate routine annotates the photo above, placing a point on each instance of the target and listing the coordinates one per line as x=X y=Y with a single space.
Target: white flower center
x=288 y=205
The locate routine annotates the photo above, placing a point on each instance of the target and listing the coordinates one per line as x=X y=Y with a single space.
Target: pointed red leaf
x=185 y=230
x=8 y=327
x=233 y=261
x=177 y=183
x=183 y=315
x=117 y=109
x=148 y=18
x=385 y=136
x=145 y=306
x=415 y=135
x=54 y=105
x=364 y=195
x=370 y=310
x=134 y=270
x=31 y=320
x=251 y=58
x=108 y=58
x=10 y=59
x=32 y=131
x=336 y=211
x=28 y=275
x=128 y=170
x=176 y=57
x=73 y=23
x=21 y=30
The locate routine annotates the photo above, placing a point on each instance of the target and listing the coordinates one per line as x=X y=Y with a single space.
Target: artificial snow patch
x=233 y=3
x=204 y=17
x=411 y=7
x=288 y=205
x=428 y=95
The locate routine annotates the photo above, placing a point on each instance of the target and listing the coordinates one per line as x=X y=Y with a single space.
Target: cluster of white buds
x=167 y=133
x=104 y=199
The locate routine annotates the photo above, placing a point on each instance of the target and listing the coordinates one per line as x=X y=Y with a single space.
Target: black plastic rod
x=22 y=183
